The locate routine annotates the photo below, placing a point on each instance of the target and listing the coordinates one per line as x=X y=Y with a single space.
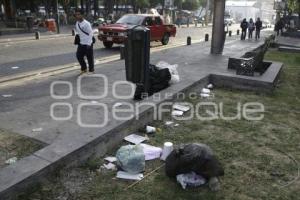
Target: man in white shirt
x=85 y=46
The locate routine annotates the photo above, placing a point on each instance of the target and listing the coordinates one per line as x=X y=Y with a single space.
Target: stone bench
x=252 y=61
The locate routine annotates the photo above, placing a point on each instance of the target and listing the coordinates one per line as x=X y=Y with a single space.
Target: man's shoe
x=82 y=72
x=90 y=73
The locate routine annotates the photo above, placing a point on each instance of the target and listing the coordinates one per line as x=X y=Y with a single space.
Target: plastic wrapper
x=131 y=158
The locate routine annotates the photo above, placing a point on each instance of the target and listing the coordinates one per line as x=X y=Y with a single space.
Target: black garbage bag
x=196 y=158
x=158 y=80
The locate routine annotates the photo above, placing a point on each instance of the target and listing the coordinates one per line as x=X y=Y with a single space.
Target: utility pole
x=57 y=16
x=206 y=11
x=218 y=35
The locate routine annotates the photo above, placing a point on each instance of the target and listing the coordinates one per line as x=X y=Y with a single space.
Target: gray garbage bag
x=198 y=158
x=131 y=158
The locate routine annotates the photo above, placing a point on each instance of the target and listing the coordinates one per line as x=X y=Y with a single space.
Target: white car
x=266 y=24
x=228 y=21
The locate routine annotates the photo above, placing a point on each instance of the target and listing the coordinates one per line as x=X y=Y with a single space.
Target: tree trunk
x=218 y=35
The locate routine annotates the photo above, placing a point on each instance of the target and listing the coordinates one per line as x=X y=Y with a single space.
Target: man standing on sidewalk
x=258 y=26
x=244 y=27
x=85 y=42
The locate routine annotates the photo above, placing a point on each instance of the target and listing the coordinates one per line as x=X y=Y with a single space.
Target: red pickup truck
x=117 y=33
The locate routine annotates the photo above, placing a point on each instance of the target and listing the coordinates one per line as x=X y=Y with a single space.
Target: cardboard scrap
x=177 y=113
x=181 y=107
x=125 y=175
x=135 y=139
x=168 y=123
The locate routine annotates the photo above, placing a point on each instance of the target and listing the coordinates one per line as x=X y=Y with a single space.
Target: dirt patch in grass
x=261 y=158
x=15 y=145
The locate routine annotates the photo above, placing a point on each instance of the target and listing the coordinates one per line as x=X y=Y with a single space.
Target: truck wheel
x=108 y=45
x=165 y=39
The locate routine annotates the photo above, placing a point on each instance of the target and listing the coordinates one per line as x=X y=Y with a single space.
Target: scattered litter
x=7 y=95
x=190 y=180
x=176 y=125
x=210 y=86
x=203 y=95
x=151 y=152
x=168 y=123
x=135 y=139
x=177 y=113
x=11 y=160
x=125 y=175
x=109 y=166
x=94 y=102
x=168 y=148
x=205 y=91
x=181 y=107
x=151 y=129
x=37 y=129
x=118 y=104
x=131 y=158
x=16 y=67
x=110 y=159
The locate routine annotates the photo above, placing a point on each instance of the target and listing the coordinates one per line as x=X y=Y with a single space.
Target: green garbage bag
x=131 y=158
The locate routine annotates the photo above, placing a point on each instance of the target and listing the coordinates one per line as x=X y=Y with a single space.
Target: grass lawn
x=261 y=158
x=15 y=145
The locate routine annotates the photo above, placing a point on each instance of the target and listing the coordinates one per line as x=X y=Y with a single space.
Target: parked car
x=200 y=19
x=266 y=24
x=228 y=21
x=117 y=33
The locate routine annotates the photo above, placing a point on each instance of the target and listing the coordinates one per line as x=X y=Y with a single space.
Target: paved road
x=26 y=56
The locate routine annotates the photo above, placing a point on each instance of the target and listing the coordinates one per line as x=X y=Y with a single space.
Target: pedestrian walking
x=279 y=26
x=244 y=27
x=84 y=39
x=251 y=28
x=258 y=26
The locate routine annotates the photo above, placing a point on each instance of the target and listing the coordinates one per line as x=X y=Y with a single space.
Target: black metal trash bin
x=137 y=56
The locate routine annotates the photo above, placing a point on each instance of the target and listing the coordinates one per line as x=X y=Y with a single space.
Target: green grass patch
x=15 y=145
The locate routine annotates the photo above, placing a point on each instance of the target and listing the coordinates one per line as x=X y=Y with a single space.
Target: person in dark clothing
x=279 y=26
x=251 y=28
x=85 y=46
x=258 y=26
x=244 y=27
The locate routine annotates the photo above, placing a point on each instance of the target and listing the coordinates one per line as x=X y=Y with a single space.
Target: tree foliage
x=294 y=6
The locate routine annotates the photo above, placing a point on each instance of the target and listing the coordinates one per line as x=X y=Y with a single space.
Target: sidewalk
x=64 y=31
x=67 y=142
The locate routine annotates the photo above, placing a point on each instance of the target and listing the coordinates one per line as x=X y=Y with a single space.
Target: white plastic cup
x=150 y=129
x=168 y=148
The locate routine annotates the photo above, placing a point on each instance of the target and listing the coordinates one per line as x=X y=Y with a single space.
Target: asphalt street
x=25 y=56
